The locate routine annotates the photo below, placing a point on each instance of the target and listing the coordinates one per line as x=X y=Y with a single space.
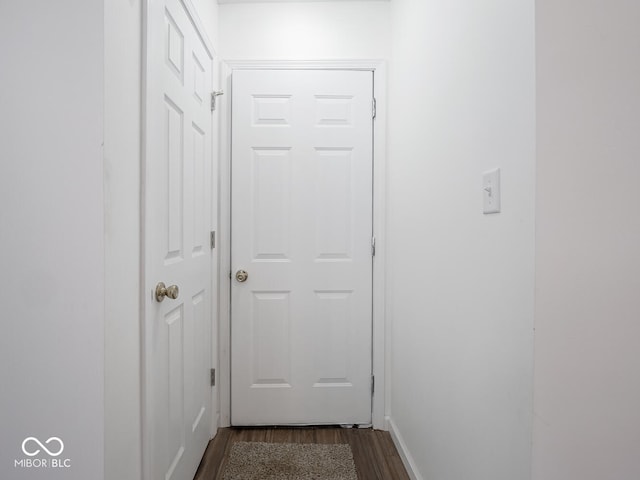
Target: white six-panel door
x=301 y=228
x=177 y=394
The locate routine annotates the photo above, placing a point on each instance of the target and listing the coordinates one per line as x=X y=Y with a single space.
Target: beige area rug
x=289 y=461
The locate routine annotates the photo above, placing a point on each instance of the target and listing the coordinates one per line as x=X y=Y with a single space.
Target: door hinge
x=375 y=108
x=213 y=377
x=373 y=246
x=213 y=239
x=373 y=384
x=214 y=96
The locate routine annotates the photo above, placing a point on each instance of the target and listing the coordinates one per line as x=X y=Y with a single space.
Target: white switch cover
x=491 y=191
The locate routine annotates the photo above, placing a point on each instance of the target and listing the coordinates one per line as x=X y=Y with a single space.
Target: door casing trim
x=380 y=331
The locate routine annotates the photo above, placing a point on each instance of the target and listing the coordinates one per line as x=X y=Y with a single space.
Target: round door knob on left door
x=162 y=291
x=241 y=276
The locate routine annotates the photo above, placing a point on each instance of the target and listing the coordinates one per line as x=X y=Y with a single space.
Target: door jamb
x=380 y=331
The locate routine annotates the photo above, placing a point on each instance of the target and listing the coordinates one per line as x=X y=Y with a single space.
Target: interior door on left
x=177 y=210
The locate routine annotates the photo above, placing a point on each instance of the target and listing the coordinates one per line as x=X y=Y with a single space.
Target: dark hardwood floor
x=374 y=453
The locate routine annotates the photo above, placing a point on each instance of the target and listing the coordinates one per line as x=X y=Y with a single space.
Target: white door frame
x=380 y=362
x=144 y=288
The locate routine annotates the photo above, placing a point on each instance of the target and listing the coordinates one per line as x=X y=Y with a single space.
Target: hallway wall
x=51 y=237
x=305 y=31
x=461 y=284
x=587 y=382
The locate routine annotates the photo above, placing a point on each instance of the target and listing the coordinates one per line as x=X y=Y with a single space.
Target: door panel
x=177 y=224
x=301 y=227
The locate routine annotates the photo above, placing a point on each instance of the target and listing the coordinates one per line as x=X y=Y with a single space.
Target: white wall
x=461 y=284
x=123 y=448
x=51 y=234
x=305 y=31
x=208 y=13
x=123 y=375
x=587 y=382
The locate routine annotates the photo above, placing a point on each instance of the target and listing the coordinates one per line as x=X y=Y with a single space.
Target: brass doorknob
x=163 y=291
x=241 y=276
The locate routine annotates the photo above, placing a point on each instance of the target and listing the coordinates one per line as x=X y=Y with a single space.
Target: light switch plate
x=491 y=191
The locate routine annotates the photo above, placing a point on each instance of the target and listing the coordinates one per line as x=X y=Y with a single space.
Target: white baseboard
x=407 y=460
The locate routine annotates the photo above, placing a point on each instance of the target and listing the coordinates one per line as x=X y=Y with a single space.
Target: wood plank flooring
x=374 y=453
